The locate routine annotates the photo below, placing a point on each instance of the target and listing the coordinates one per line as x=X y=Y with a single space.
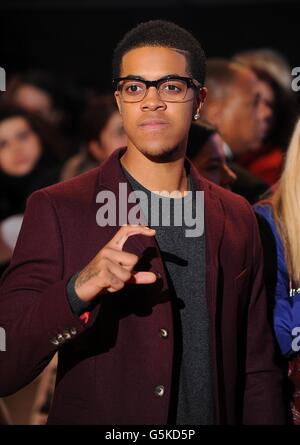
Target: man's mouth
x=153 y=124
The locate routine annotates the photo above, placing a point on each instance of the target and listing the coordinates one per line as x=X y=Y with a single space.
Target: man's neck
x=156 y=176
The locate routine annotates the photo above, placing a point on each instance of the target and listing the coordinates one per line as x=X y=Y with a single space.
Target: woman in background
x=279 y=220
x=27 y=163
x=102 y=133
x=56 y=100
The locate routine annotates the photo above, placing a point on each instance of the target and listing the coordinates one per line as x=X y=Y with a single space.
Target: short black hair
x=97 y=113
x=165 y=34
x=198 y=136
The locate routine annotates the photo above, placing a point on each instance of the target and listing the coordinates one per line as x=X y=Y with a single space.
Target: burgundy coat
x=110 y=366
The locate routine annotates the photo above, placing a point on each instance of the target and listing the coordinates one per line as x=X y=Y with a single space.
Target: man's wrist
x=78 y=306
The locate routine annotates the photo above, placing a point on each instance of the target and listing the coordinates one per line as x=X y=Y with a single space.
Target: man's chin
x=167 y=154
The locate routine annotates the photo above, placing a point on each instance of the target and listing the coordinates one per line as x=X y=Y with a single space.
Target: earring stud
x=196 y=116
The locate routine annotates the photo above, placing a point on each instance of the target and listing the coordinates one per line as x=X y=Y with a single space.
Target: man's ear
x=118 y=100
x=198 y=103
x=200 y=99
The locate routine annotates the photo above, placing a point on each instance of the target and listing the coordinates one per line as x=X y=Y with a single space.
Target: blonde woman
x=281 y=213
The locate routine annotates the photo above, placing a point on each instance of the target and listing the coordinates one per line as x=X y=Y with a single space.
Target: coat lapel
x=214 y=218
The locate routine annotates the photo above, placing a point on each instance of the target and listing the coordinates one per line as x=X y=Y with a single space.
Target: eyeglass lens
x=171 y=90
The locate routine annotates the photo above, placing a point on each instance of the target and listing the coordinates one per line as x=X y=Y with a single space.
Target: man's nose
x=265 y=110
x=152 y=100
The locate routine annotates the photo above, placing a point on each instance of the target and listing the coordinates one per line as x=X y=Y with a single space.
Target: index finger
x=120 y=238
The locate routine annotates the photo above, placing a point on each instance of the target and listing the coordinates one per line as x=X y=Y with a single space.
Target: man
x=148 y=330
x=236 y=108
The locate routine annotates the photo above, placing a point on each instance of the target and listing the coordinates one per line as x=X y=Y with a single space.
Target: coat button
x=60 y=338
x=54 y=341
x=163 y=333
x=159 y=390
x=66 y=335
x=73 y=331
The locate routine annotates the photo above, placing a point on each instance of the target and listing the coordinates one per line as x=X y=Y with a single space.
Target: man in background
x=235 y=107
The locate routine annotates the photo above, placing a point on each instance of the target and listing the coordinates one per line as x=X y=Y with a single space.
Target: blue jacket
x=286 y=314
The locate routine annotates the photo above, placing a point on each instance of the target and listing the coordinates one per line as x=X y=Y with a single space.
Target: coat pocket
x=238 y=280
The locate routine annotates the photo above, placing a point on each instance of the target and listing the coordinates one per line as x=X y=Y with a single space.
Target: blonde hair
x=286 y=206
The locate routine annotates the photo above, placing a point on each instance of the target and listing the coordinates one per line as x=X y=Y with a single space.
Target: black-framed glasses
x=170 y=88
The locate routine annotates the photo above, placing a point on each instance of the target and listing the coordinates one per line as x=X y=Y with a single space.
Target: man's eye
x=133 y=88
x=172 y=87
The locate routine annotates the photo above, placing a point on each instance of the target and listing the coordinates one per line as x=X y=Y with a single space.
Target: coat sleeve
x=34 y=308
x=263 y=397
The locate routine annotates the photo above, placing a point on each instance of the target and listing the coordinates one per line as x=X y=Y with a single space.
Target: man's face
x=242 y=121
x=211 y=162
x=265 y=108
x=156 y=128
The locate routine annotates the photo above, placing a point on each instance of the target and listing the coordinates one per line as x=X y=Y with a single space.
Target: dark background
x=75 y=39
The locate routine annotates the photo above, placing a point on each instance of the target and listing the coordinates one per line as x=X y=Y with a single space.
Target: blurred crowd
x=50 y=132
